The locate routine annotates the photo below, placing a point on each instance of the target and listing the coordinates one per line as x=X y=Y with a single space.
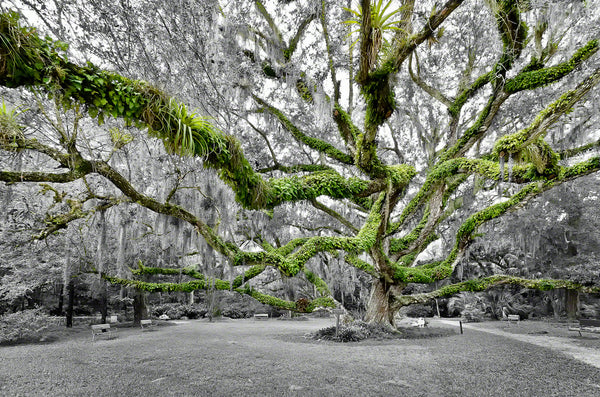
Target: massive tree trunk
x=380 y=308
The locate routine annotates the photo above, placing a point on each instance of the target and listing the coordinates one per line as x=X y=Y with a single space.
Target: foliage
x=355 y=332
x=23 y=326
x=289 y=142
x=176 y=310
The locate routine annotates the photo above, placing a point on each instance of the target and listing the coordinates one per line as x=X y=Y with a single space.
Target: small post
x=461 y=329
x=338 y=313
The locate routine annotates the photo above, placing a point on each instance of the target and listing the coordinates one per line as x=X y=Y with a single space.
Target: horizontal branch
x=514 y=143
x=305 y=306
x=483 y=284
x=313 y=143
x=18 y=176
x=529 y=80
x=37 y=62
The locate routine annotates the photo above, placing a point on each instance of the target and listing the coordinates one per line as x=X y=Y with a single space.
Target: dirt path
x=590 y=354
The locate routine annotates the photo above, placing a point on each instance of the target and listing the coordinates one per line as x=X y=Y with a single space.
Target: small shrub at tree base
x=25 y=326
x=355 y=332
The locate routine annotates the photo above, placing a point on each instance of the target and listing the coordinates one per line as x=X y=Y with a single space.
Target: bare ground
x=272 y=358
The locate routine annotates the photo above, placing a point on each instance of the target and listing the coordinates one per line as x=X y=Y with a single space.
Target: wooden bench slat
x=101 y=329
x=147 y=323
x=586 y=325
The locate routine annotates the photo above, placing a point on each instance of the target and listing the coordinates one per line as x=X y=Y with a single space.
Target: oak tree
x=377 y=121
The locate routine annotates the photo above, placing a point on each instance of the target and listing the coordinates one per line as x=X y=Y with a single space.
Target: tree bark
x=140 y=307
x=70 y=302
x=572 y=303
x=61 y=301
x=100 y=262
x=380 y=306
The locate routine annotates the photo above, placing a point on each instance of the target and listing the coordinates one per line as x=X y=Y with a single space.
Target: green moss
x=320 y=302
x=468 y=93
x=348 y=130
x=530 y=79
x=311 y=142
x=330 y=183
x=583 y=168
x=360 y=264
x=270 y=300
x=379 y=98
x=148 y=270
x=248 y=275
x=317 y=282
x=400 y=175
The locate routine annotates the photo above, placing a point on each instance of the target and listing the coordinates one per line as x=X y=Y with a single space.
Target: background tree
x=455 y=107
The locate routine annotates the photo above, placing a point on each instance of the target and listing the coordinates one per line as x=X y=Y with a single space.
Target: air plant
x=382 y=22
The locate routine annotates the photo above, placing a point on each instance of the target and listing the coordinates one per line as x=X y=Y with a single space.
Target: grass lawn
x=272 y=358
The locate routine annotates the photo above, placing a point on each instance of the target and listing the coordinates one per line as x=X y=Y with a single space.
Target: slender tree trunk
x=380 y=306
x=68 y=289
x=61 y=300
x=121 y=254
x=70 y=302
x=100 y=262
x=140 y=307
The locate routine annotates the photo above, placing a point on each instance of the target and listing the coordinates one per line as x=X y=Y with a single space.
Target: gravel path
x=589 y=354
x=272 y=358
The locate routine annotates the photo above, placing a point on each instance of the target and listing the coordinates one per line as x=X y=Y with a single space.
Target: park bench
x=101 y=329
x=513 y=317
x=261 y=316
x=147 y=323
x=420 y=323
x=586 y=325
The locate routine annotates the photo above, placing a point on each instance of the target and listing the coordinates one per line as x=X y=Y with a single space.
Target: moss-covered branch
x=568 y=153
x=486 y=283
x=17 y=176
x=313 y=143
x=37 y=63
x=318 y=282
x=333 y=214
x=150 y=271
x=514 y=143
x=432 y=272
x=57 y=222
x=358 y=263
x=528 y=80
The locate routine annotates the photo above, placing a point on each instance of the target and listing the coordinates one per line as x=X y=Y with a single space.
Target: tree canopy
x=369 y=119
